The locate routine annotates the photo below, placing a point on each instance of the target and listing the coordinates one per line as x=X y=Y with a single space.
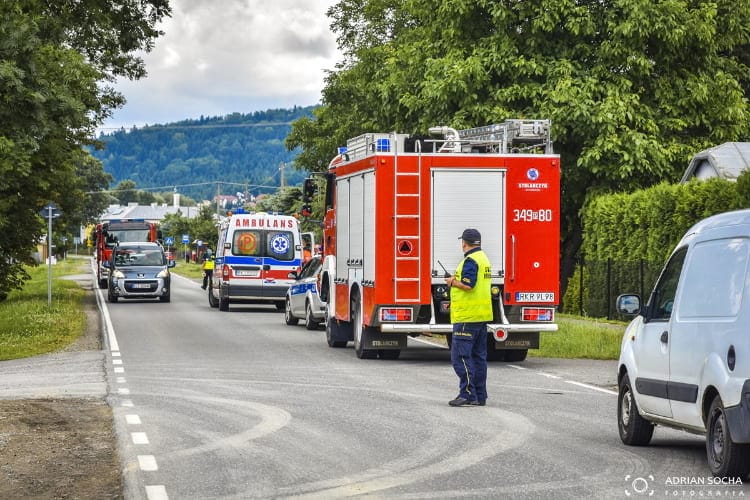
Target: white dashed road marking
x=139 y=437
x=156 y=493
x=133 y=419
x=147 y=463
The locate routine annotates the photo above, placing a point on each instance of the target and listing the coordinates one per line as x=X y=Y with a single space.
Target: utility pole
x=49 y=212
x=283 y=180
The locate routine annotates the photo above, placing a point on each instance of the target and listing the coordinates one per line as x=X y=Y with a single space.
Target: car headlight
x=118 y=274
x=163 y=274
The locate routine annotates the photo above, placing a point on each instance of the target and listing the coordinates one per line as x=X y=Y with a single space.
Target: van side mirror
x=171 y=263
x=629 y=304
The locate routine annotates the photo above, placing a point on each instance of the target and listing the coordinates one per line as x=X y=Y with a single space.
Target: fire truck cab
x=395 y=206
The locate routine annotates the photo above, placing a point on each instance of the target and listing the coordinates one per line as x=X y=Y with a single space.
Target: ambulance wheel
x=289 y=319
x=310 y=322
x=212 y=301
x=223 y=304
x=360 y=331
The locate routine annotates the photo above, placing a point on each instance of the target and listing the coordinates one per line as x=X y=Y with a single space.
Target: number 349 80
x=531 y=215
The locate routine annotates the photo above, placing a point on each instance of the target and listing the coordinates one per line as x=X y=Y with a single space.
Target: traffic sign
x=169 y=241
x=186 y=238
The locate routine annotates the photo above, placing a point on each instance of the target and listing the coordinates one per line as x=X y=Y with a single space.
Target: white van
x=685 y=358
x=254 y=256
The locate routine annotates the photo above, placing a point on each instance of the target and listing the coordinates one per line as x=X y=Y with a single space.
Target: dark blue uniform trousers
x=469 y=358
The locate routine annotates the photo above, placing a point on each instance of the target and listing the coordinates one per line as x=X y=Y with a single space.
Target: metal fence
x=594 y=287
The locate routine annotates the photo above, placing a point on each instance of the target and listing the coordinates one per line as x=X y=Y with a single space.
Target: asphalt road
x=237 y=405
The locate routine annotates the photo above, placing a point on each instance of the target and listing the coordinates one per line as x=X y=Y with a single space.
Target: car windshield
x=138 y=257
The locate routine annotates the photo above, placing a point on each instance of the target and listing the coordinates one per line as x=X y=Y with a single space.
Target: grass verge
x=190 y=270
x=29 y=327
x=581 y=338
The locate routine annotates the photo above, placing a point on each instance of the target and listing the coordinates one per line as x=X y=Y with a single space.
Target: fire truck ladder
x=407 y=228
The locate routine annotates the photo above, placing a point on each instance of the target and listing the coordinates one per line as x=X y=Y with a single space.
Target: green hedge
x=623 y=232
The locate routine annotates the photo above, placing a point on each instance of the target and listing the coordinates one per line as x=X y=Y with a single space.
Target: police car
x=303 y=298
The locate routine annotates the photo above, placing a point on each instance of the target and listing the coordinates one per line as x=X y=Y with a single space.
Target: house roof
x=726 y=161
x=151 y=213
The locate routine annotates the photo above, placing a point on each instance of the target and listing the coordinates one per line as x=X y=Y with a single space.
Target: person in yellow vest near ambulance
x=207 y=267
x=471 y=310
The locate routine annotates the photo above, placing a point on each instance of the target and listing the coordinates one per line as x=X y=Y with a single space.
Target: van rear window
x=262 y=243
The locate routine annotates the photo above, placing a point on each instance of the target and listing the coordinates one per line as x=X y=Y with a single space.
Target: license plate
x=141 y=285
x=247 y=274
x=535 y=297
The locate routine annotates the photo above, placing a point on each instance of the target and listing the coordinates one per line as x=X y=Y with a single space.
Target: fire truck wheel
x=331 y=338
x=310 y=322
x=515 y=355
x=289 y=319
x=389 y=353
x=360 y=331
x=494 y=354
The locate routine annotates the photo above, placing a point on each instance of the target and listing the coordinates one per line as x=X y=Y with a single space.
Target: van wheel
x=725 y=457
x=111 y=297
x=360 y=330
x=289 y=318
x=310 y=322
x=166 y=298
x=634 y=429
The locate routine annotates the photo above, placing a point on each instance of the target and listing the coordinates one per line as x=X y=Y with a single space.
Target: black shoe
x=482 y=402
x=203 y=287
x=459 y=401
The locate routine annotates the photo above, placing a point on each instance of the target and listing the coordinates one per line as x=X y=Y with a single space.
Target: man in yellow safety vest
x=471 y=310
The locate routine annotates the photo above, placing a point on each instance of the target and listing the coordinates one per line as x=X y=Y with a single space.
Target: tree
x=633 y=88
x=55 y=61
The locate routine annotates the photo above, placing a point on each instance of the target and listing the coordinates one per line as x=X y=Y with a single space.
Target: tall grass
x=29 y=327
x=581 y=338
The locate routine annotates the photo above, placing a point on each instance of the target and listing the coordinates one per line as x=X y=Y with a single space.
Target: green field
x=29 y=327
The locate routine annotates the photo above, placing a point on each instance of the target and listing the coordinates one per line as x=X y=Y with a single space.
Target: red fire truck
x=108 y=234
x=395 y=206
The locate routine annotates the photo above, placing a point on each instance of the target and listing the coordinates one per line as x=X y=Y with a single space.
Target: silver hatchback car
x=303 y=298
x=139 y=270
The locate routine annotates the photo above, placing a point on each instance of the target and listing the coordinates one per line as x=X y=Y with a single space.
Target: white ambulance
x=254 y=256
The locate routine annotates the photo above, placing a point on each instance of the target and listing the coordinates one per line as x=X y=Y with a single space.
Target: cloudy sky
x=221 y=56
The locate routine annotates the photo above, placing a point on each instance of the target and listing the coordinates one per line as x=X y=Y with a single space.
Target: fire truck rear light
x=537 y=314
x=395 y=314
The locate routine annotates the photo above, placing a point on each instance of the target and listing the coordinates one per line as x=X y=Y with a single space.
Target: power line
x=194 y=126
x=175 y=186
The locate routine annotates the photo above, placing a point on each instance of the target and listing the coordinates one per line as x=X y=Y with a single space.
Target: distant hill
x=194 y=154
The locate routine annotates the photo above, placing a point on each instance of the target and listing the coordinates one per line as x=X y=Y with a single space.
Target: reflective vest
x=475 y=305
x=208 y=264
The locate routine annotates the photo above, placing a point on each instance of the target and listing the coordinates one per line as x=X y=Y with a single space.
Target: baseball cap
x=471 y=236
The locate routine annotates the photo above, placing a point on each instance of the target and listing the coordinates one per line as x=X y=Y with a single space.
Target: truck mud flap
x=374 y=339
x=519 y=340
